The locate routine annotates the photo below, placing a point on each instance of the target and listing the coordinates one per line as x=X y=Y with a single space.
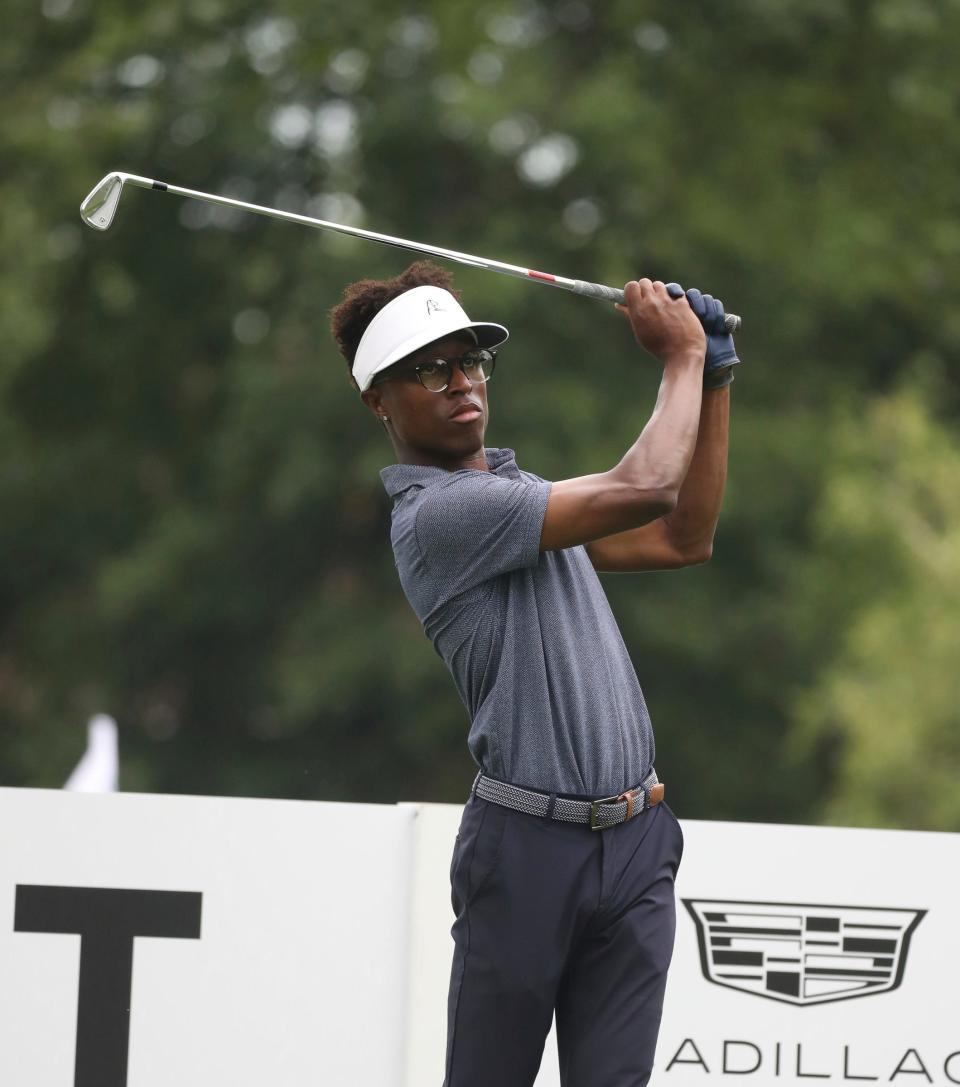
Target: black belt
x=600 y=814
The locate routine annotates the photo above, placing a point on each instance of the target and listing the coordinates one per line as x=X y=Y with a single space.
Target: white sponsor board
x=811 y=954
x=303 y=944
x=298 y=974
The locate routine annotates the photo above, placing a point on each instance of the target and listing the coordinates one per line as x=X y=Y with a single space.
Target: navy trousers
x=555 y=917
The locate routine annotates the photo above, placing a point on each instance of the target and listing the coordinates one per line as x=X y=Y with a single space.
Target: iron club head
x=100 y=204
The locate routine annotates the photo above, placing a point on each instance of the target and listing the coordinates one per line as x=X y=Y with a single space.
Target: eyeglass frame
x=406 y=373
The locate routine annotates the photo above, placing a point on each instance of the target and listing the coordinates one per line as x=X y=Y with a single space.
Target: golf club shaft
x=577 y=286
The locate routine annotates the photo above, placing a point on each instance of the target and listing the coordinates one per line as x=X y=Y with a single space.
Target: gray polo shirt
x=529 y=637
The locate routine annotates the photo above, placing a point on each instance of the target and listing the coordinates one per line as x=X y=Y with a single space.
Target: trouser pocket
x=476 y=851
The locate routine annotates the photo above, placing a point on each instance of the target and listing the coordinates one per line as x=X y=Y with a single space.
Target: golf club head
x=100 y=204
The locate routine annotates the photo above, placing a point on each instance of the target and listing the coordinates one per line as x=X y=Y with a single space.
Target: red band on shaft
x=542 y=275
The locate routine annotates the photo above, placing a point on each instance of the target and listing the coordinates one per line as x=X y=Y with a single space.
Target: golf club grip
x=597 y=290
x=612 y=294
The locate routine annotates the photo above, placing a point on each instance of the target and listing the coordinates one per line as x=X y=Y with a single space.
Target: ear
x=373 y=398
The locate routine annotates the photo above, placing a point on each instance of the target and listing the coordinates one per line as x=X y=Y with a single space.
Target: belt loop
x=548 y=814
x=476 y=782
x=629 y=797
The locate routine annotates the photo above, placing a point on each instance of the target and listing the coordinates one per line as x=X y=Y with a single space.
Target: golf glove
x=721 y=353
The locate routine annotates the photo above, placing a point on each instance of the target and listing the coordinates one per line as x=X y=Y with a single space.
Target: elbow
x=647 y=497
x=697 y=555
x=701 y=555
x=659 y=502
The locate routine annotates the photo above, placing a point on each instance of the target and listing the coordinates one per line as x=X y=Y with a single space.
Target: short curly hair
x=363 y=300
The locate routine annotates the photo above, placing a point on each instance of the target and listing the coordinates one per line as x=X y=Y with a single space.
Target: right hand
x=666 y=327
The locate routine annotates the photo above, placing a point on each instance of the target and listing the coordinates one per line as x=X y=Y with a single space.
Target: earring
x=384 y=418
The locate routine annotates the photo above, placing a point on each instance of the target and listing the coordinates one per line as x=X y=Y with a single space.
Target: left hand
x=721 y=353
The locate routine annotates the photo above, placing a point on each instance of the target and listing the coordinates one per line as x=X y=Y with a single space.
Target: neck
x=475 y=460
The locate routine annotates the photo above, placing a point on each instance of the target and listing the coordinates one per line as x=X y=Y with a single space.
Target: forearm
x=691 y=526
x=661 y=458
x=645 y=484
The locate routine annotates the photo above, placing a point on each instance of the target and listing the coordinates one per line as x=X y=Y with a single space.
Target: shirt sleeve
x=477 y=525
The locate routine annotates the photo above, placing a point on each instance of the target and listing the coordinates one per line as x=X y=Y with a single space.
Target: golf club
x=100 y=206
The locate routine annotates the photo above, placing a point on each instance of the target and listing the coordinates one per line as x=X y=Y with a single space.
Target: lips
x=467 y=411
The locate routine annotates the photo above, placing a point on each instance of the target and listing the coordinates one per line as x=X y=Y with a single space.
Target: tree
x=886 y=704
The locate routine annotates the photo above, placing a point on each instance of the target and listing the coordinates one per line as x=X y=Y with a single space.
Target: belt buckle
x=595 y=823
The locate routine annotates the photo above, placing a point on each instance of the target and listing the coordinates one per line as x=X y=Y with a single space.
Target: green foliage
x=887 y=703
x=194 y=537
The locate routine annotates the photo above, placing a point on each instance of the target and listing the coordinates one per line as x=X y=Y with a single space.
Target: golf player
x=563 y=870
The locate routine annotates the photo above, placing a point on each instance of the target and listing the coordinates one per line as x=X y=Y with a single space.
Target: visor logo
x=802 y=953
x=435 y=306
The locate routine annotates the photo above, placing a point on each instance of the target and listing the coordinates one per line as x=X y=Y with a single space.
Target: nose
x=459 y=382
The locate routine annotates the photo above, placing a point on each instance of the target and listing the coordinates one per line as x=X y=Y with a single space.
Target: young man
x=564 y=867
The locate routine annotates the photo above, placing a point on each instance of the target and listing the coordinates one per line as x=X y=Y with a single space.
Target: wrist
x=688 y=358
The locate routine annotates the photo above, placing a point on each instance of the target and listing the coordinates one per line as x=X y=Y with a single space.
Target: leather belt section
x=599 y=814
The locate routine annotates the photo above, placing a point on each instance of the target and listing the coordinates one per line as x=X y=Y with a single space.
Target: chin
x=461 y=445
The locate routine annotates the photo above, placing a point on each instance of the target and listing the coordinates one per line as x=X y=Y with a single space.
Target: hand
x=663 y=325
x=721 y=353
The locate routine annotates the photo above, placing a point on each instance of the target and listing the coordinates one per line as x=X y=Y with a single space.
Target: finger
x=695 y=298
x=659 y=287
x=710 y=314
x=644 y=286
x=632 y=292
x=675 y=290
x=713 y=309
x=719 y=317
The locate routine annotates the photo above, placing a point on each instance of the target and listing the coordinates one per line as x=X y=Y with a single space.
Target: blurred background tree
x=194 y=535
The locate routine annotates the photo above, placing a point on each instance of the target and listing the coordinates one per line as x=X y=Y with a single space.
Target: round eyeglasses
x=435 y=375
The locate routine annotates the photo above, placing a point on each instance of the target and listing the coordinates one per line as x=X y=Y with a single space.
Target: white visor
x=411 y=321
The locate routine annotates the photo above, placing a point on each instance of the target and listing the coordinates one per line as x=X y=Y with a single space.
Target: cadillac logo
x=802 y=953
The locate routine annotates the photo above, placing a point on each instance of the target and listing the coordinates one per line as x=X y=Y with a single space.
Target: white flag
x=98 y=770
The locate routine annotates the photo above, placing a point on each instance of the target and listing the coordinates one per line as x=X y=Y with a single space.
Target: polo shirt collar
x=398 y=477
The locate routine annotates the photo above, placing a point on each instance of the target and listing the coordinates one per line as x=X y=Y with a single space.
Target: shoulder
x=464 y=494
x=532 y=477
